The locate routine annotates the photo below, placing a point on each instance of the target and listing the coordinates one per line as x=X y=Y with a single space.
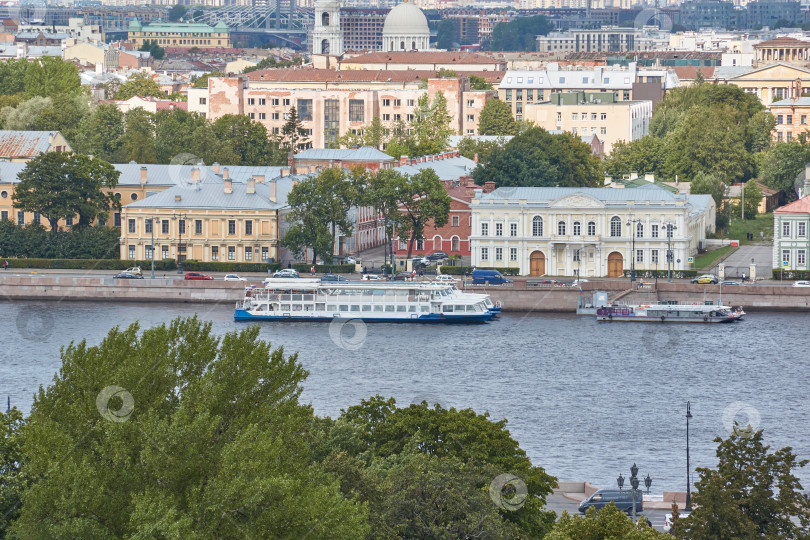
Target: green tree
x=175 y=133
x=176 y=12
x=470 y=147
x=538 y=158
x=273 y=62
x=60 y=184
x=608 y=523
x=445 y=34
x=24 y=116
x=758 y=131
x=12 y=477
x=293 y=132
x=100 y=133
x=782 y=163
x=248 y=140
x=753 y=493
x=753 y=196
x=141 y=85
x=520 y=34
x=139 y=136
x=50 y=76
x=12 y=76
x=707 y=184
x=431 y=125
x=423 y=202
x=479 y=83
x=63 y=114
x=496 y=119
x=202 y=82
x=644 y=155
x=174 y=432
x=151 y=46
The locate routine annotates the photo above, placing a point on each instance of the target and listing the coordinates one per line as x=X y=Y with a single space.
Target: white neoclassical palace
x=587 y=231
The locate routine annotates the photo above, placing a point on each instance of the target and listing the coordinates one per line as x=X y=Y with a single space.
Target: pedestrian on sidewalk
x=312 y=270
x=5 y=265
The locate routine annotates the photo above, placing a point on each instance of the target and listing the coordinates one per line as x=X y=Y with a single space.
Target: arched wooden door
x=537 y=263
x=615 y=264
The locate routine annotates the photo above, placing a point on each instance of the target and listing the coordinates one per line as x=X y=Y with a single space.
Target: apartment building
x=792 y=119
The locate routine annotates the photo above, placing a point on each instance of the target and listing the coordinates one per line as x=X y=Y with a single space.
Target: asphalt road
x=560 y=503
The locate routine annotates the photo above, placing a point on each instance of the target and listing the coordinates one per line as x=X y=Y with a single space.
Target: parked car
x=801 y=283
x=437 y=256
x=196 y=276
x=446 y=278
x=134 y=270
x=622 y=499
x=233 y=277
x=286 y=273
x=731 y=283
x=127 y=275
x=350 y=260
x=420 y=262
x=578 y=282
x=333 y=278
x=404 y=276
x=668 y=520
x=705 y=278
x=372 y=277
x=493 y=277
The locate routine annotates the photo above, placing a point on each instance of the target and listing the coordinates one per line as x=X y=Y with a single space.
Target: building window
x=484 y=254
x=513 y=229
x=498 y=254
x=410 y=102
x=386 y=117
x=639 y=255
x=669 y=230
x=639 y=230
x=804 y=119
x=455 y=244
x=615 y=226
x=181 y=225
x=603 y=116
x=203 y=101
x=626 y=95
x=248 y=253
x=197 y=226
x=802 y=229
x=779 y=119
x=591 y=228
x=331 y=121
x=274 y=101
x=262 y=116
x=577 y=228
x=36 y=218
x=800 y=257
x=286 y=102
x=537 y=226
x=265 y=253
x=164 y=253
x=786 y=256
x=214 y=253
x=530 y=95
x=164 y=227
x=654 y=256
x=470 y=103
x=454 y=221
x=574 y=116
x=499 y=229
x=251 y=101
x=252 y=116
x=512 y=254
x=231 y=253
x=386 y=102
x=131 y=226
x=275 y=116
x=116 y=219
x=231 y=226
x=786 y=228
x=357 y=111
x=485 y=229
x=470 y=118
x=131 y=251
x=304 y=110
x=508 y=95
x=4 y=215
x=248 y=227
x=148 y=253
x=789 y=119
x=262 y=101
x=561 y=228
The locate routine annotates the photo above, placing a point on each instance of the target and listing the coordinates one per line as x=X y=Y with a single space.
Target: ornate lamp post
x=688 y=482
x=634 y=483
x=151 y=222
x=634 y=233
x=670 y=228
x=180 y=218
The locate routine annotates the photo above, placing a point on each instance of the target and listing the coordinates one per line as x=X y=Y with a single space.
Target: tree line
x=146 y=435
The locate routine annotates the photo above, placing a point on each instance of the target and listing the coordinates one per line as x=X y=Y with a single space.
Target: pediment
x=776 y=71
x=578 y=200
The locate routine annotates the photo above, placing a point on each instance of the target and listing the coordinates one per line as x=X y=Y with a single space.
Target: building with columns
x=406 y=29
x=587 y=231
x=783 y=49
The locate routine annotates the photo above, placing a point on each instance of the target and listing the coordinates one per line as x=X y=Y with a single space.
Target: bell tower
x=327 y=37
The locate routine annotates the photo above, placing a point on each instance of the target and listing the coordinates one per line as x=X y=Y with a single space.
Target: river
x=585 y=400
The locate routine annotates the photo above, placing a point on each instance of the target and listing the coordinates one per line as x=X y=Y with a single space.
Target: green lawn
x=738 y=227
x=707 y=260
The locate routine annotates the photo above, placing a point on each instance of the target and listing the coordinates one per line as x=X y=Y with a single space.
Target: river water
x=585 y=400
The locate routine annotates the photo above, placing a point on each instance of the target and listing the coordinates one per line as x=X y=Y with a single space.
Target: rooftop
x=650 y=193
x=358 y=75
x=783 y=42
x=802 y=206
x=419 y=57
x=25 y=144
x=365 y=153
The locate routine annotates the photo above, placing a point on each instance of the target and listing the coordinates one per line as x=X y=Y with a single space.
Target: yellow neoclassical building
x=769 y=83
x=182 y=35
x=208 y=219
x=587 y=232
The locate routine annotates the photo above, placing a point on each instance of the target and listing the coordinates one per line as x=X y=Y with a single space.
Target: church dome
x=406 y=20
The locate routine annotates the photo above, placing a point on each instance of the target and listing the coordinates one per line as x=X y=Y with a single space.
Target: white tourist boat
x=667 y=312
x=310 y=300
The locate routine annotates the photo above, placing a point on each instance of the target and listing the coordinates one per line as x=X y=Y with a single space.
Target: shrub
x=216 y=266
x=90 y=264
x=779 y=274
x=305 y=268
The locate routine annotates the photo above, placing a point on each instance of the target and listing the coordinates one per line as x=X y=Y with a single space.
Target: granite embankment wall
x=522 y=297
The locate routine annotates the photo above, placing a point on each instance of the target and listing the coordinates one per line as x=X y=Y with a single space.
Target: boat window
x=344 y=307
x=296 y=307
x=307 y=307
x=331 y=307
x=411 y=308
x=366 y=307
x=355 y=307
x=447 y=308
x=379 y=292
x=378 y=307
x=285 y=307
x=460 y=308
x=423 y=309
x=320 y=306
x=389 y=308
x=401 y=308
x=296 y=297
x=308 y=297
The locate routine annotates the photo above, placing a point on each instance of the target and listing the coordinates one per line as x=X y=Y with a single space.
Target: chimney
x=50 y=138
x=285 y=172
x=273 y=191
x=259 y=178
x=195 y=175
x=228 y=185
x=475 y=158
x=215 y=167
x=403 y=160
x=251 y=186
x=489 y=187
x=144 y=175
x=177 y=198
x=225 y=173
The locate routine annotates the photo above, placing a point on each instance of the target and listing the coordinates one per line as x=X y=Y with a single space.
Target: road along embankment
x=523 y=296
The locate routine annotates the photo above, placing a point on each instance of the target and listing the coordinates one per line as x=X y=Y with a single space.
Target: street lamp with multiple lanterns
x=634 y=232
x=670 y=228
x=634 y=482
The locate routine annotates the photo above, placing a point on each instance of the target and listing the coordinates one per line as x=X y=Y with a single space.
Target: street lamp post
x=688 y=482
x=633 y=232
x=670 y=228
x=179 y=218
x=634 y=482
x=151 y=222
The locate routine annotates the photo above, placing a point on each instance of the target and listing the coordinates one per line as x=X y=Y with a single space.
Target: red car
x=197 y=275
